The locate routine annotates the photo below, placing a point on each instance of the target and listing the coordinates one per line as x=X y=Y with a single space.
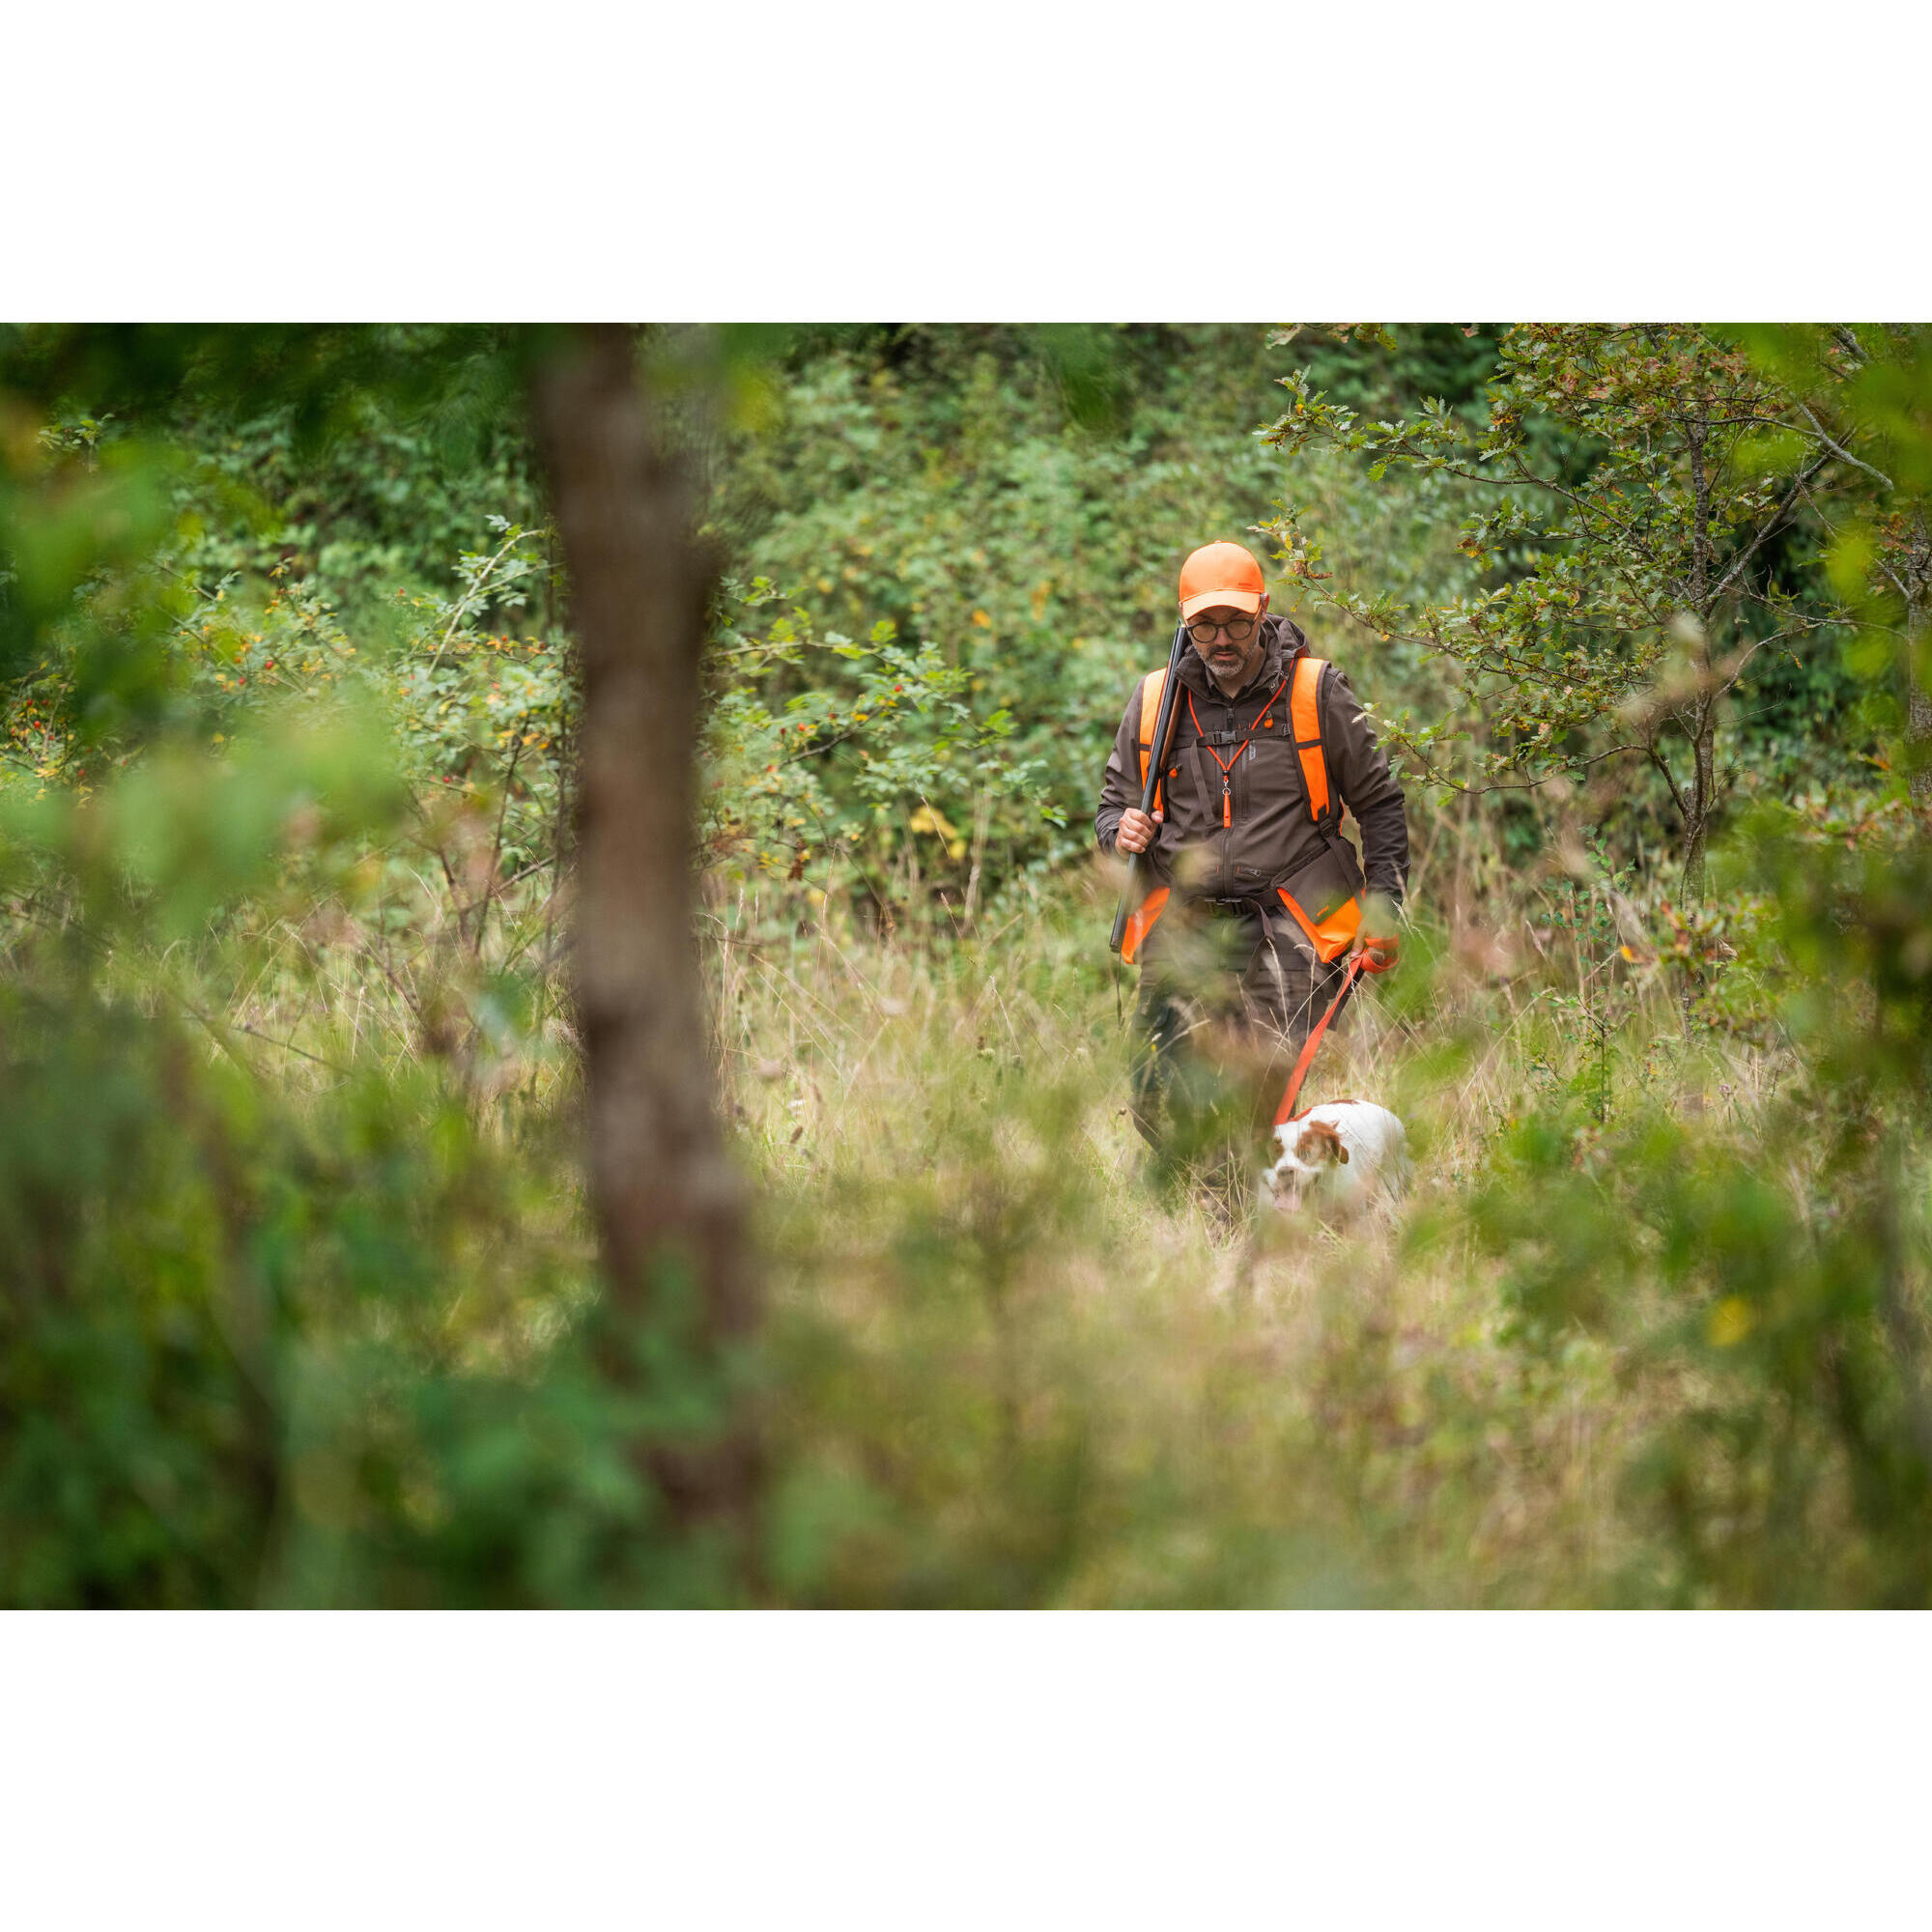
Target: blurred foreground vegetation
x=302 y=1300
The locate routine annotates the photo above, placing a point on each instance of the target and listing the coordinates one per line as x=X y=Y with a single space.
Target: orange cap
x=1221 y=573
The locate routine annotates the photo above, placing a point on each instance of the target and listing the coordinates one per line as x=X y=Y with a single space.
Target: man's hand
x=1378 y=936
x=1136 y=831
x=1384 y=949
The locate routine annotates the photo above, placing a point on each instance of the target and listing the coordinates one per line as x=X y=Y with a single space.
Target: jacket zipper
x=1227 y=810
x=1262 y=716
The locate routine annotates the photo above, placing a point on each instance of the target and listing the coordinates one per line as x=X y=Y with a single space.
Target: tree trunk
x=1702 y=800
x=1918 y=730
x=1917 y=562
x=669 y=1204
x=1703 y=738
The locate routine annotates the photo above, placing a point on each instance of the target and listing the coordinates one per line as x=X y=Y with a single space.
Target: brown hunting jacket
x=1272 y=835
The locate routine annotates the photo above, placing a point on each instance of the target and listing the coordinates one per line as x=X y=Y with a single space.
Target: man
x=1257 y=902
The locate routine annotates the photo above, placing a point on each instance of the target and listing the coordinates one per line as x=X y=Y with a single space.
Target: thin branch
x=495 y=852
x=216 y=1027
x=472 y=598
x=1437 y=776
x=1657 y=758
x=1765 y=529
x=1842 y=453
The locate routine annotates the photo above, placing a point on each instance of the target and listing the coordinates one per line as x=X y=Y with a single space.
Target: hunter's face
x=1229 y=642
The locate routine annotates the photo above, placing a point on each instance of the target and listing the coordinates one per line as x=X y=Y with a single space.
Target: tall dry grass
x=1011 y=1369
x=1004 y=1366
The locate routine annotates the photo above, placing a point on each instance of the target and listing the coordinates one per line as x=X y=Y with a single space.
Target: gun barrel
x=1134 y=890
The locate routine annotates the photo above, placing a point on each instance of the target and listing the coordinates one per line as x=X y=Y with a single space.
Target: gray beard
x=1243 y=673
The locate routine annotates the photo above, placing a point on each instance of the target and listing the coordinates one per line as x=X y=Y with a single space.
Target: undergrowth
x=1006 y=1369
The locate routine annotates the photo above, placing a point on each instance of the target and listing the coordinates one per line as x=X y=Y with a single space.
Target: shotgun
x=1134 y=890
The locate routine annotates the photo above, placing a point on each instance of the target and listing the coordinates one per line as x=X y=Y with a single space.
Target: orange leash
x=1285 y=1111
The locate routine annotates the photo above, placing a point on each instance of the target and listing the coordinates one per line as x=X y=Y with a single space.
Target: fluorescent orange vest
x=1331 y=929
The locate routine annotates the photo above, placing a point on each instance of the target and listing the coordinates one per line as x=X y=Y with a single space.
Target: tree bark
x=1703 y=775
x=1702 y=800
x=1918 y=729
x=1916 y=581
x=668 y=1204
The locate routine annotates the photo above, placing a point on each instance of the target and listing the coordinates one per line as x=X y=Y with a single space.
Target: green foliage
x=1386 y=370
x=373 y=507
x=854 y=763
x=1771 y=1327
x=267 y=1337
x=83 y=620
x=1017 y=503
x=235 y=1370
x=1621 y=598
x=300 y=1306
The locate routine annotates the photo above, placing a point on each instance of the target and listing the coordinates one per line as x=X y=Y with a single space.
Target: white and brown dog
x=1342 y=1156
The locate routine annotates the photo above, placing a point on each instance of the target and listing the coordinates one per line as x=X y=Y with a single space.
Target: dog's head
x=1307 y=1149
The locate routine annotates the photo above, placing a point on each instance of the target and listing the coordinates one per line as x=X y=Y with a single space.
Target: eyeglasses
x=1237 y=630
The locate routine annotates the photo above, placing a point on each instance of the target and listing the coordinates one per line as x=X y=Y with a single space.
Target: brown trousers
x=1228 y=995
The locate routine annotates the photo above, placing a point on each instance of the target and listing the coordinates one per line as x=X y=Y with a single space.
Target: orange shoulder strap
x=1305 y=716
x=1151 y=686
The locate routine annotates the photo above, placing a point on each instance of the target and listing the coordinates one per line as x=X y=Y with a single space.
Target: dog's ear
x=1341 y=1154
